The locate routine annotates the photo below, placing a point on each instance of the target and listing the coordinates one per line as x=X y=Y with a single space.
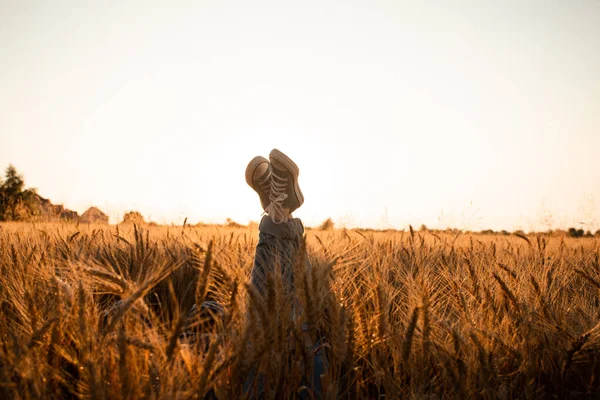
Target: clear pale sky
x=474 y=114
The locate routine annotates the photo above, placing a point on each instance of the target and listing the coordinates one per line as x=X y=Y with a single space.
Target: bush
x=575 y=233
x=327 y=225
x=133 y=217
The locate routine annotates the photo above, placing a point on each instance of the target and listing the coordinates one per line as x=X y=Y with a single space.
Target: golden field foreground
x=99 y=312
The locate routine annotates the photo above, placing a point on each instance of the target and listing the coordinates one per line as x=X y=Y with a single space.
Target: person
x=280 y=237
x=280 y=234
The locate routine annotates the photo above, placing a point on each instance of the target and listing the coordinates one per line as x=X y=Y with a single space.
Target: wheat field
x=101 y=312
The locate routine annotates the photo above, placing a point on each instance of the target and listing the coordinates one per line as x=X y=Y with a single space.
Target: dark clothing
x=278 y=247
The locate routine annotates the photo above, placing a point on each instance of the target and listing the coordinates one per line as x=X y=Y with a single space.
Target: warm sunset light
x=325 y=200
x=471 y=115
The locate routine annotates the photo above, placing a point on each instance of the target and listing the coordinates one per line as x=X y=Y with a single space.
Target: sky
x=468 y=114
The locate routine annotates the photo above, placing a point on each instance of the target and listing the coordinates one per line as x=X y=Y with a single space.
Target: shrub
x=575 y=233
x=327 y=225
x=133 y=217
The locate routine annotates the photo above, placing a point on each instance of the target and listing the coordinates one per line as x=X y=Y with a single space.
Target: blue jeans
x=278 y=247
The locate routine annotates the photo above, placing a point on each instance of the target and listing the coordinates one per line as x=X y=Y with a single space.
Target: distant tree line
x=577 y=233
x=19 y=204
x=16 y=202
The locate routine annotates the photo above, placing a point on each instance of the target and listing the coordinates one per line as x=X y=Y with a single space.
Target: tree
x=14 y=181
x=16 y=203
